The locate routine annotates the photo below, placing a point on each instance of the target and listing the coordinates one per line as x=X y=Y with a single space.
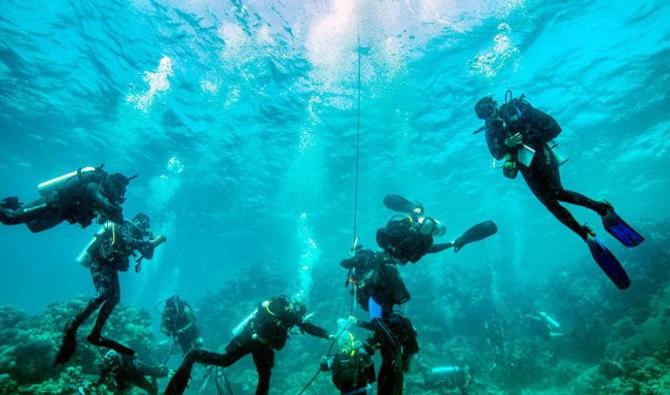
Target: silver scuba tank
x=55 y=183
x=84 y=258
x=238 y=329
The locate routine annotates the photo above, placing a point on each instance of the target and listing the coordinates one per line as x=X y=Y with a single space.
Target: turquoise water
x=240 y=119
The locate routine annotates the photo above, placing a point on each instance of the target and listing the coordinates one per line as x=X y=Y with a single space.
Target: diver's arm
x=365 y=325
x=147 y=247
x=495 y=138
x=111 y=211
x=440 y=247
x=190 y=317
x=314 y=330
x=164 y=326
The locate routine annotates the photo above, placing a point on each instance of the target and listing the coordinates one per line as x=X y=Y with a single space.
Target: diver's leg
x=385 y=379
x=264 y=358
x=577 y=198
x=544 y=181
x=550 y=171
x=95 y=337
x=236 y=349
x=563 y=215
x=141 y=381
x=184 y=343
x=69 y=343
x=36 y=215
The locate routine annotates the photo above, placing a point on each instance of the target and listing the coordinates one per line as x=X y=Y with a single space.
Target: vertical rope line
x=358 y=129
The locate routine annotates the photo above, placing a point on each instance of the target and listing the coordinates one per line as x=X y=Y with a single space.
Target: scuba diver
x=121 y=371
x=523 y=136
x=77 y=197
x=376 y=281
x=352 y=367
x=409 y=236
x=178 y=321
x=378 y=288
x=264 y=332
x=106 y=255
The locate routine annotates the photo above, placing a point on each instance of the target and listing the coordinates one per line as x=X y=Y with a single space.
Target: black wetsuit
x=109 y=254
x=266 y=332
x=179 y=322
x=376 y=277
x=542 y=176
x=402 y=238
x=396 y=338
x=352 y=372
x=79 y=201
x=125 y=371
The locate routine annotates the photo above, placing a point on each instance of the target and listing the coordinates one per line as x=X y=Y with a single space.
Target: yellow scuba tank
x=60 y=181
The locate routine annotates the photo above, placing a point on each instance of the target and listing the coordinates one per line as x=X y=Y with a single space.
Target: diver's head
x=142 y=221
x=485 y=108
x=296 y=305
x=348 y=344
x=418 y=209
x=172 y=304
x=114 y=187
x=111 y=360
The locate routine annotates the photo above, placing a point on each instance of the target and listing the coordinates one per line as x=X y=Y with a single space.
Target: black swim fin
x=608 y=263
x=623 y=232
x=401 y=204
x=478 y=232
x=67 y=348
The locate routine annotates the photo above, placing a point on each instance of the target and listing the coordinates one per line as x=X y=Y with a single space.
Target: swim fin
x=608 y=263
x=623 y=232
x=66 y=349
x=401 y=204
x=476 y=233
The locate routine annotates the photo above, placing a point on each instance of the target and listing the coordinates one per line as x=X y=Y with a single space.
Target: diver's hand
x=514 y=140
x=323 y=364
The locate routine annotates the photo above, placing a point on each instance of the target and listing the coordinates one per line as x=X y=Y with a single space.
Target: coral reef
x=28 y=345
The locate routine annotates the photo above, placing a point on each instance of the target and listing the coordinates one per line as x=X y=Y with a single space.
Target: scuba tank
x=449 y=376
x=550 y=320
x=60 y=181
x=238 y=329
x=84 y=258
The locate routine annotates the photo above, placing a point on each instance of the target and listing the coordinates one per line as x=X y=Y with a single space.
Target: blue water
x=240 y=119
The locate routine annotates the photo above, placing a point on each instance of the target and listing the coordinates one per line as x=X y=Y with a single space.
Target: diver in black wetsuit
x=122 y=371
x=265 y=332
x=410 y=236
x=379 y=287
x=77 y=197
x=511 y=130
x=108 y=254
x=352 y=367
x=178 y=321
